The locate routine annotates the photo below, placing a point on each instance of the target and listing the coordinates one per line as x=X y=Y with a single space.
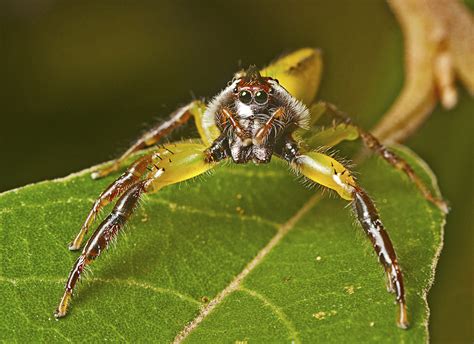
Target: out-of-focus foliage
x=439 y=48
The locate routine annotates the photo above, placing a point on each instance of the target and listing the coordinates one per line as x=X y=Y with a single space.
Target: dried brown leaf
x=439 y=47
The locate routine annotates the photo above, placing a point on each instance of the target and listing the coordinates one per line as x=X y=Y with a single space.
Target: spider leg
x=186 y=161
x=330 y=137
x=179 y=117
x=328 y=172
x=347 y=130
x=227 y=115
x=299 y=72
x=114 y=190
x=262 y=133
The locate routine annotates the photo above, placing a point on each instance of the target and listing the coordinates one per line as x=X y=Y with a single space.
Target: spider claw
x=441 y=204
x=58 y=314
x=102 y=173
x=95 y=175
x=73 y=247
x=61 y=311
x=402 y=321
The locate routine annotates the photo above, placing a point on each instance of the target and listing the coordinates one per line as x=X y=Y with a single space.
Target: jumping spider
x=253 y=119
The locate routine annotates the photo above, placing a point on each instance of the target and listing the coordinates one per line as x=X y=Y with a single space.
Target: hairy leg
x=180 y=162
x=226 y=115
x=265 y=129
x=347 y=130
x=330 y=137
x=130 y=177
x=177 y=118
x=326 y=171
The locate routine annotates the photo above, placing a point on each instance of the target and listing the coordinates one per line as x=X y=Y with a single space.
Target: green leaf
x=316 y=278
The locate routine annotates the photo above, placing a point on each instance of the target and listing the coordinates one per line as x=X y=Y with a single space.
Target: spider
x=260 y=114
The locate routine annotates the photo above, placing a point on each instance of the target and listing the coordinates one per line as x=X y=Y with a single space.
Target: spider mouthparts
x=247 y=142
x=403 y=325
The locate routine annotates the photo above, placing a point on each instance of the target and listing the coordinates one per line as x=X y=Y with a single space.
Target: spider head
x=252 y=88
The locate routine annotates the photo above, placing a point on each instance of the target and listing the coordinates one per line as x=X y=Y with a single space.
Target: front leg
x=225 y=116
x=185 y=161
x=263 y=132
x=219 y=150
x=179 y=117
x=328 y=172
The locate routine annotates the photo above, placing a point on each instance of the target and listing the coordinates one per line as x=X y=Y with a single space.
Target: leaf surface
x=318 y=281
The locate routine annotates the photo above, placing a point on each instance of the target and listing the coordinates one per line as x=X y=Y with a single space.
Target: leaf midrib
x=237 y=281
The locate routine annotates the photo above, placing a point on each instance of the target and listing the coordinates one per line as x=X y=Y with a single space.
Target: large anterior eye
x=245 y=97
x=261 y=97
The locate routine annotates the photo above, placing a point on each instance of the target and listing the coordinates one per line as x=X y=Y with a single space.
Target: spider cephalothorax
x=252 y=119
x=256 y=117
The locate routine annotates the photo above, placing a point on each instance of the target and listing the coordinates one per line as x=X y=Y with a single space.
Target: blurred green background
x=81 y=80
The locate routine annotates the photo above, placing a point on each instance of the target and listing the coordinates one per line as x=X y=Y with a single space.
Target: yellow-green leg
x=326 y=171
x=178 y=162
x=331 y=137
x=299 y=72
x=207 y=131
x=347 y=130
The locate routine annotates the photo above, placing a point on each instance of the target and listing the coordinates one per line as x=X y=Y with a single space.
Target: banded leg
x=185 y=161
x=208 y=132
x=350 y=131
x=226 y=115
x=114 y=190
x=326 y=171
x=265 y=129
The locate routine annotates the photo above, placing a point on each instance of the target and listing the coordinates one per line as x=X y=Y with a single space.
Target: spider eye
x=261 y=97
x=235 y=90
x=245 y=97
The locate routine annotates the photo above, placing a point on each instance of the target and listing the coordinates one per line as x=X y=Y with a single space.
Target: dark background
x=81 y=80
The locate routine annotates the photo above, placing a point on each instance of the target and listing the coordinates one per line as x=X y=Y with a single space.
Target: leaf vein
x=237 y=281
x=127 y=282
x=277 y=311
